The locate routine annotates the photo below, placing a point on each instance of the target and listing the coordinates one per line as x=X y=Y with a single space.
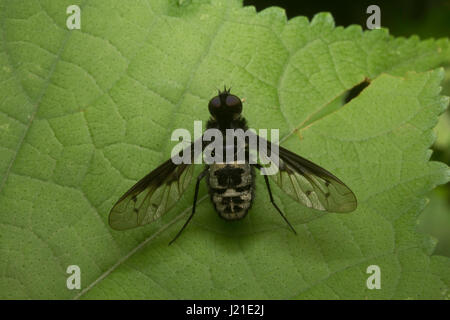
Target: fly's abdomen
x=231 y=189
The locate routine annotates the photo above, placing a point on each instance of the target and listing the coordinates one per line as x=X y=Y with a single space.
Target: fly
x=231 y=185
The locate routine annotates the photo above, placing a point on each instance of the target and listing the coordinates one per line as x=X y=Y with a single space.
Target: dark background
x=427 y=19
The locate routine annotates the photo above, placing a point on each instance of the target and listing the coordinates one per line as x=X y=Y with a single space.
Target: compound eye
x=215 y=102
x=232 y=101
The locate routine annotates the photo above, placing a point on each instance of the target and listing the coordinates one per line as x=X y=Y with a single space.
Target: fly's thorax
x=231 y=189
x=239 y=123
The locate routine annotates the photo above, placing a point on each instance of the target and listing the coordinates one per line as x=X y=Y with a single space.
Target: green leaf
x=85 y=113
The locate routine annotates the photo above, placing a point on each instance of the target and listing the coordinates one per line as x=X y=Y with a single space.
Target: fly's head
x=225 y=107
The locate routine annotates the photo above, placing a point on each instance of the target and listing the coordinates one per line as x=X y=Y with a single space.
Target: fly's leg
x=199 y=178
x=273 y=202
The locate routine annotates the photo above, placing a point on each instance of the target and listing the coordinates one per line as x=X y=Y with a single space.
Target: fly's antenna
x=225 y=90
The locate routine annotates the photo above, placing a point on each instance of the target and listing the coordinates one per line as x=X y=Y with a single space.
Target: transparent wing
x=309 y=184
x=152 y=196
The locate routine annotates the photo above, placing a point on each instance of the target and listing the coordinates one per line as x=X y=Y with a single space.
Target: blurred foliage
x=427 y=19
x=435 y=220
